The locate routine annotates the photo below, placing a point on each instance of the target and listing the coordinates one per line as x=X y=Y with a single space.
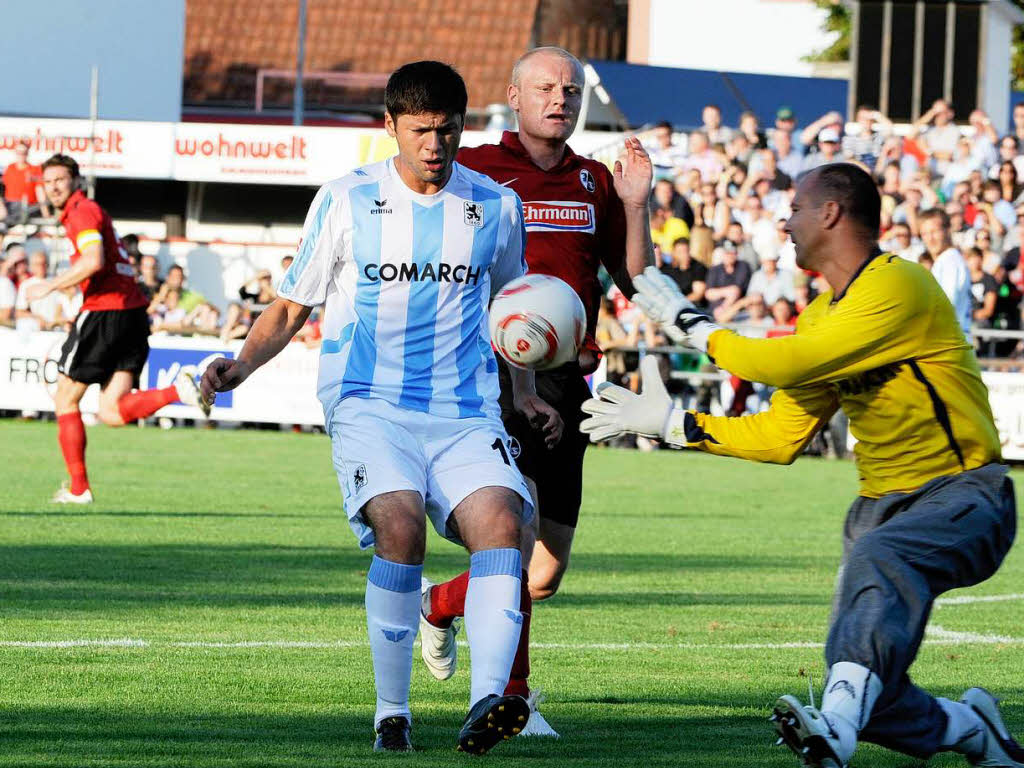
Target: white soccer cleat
x=810 y=735
x=65 y=496
x=188 y=390
x=537 y=725
x=437 y=644
x=999 y=750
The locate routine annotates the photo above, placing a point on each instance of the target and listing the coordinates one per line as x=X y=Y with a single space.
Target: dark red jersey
x=574 y=219
x=114 y=286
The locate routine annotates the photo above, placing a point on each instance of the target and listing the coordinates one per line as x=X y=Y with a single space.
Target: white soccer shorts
x=379 y=448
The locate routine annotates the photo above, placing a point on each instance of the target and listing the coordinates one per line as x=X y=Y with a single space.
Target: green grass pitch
x=699 y=590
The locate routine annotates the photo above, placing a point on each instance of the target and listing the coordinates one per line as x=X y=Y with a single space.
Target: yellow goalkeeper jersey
x=890 y=353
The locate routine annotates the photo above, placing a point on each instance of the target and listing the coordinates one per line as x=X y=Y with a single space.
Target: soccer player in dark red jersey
x=109 y=342
x=578 y=216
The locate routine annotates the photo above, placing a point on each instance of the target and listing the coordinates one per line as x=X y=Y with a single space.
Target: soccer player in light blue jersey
x=405 y=255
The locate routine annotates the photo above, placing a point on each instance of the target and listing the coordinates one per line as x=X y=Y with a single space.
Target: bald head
x=545 y=51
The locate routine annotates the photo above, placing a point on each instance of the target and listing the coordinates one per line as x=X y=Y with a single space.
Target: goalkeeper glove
x=617 y=411
x=660 y=299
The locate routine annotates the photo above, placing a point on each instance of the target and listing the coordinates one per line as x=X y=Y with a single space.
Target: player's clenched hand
x=542 y=417
x=659 y=298
x=633 y=173
x=222 y=375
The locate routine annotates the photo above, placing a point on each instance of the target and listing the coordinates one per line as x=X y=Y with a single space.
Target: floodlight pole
x=94 y=101
x=300 y=60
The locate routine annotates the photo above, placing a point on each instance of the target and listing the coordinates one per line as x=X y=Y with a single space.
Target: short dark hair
x=425 y=86
x=664 y=124
x=129 y=240
x=934 y=213
x=63 y=161
x=176 y=267
x=855 y=190
x=678 y=240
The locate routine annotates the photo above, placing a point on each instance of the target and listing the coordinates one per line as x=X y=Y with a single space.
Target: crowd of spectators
x=952 y=200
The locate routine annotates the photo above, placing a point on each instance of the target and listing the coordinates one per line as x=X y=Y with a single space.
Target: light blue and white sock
x=392 y=619
x=493 y=620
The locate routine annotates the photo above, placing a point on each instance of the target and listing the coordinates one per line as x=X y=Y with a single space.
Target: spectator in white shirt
x=771 y=282
x=949 y=267
x=40 y=314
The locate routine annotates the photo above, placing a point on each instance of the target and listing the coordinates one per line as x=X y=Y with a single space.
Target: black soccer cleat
x=393 y=735
x=492 y=719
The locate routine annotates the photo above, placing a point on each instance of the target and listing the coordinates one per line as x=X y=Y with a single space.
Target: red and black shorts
x=103 y=342
x=558 y=472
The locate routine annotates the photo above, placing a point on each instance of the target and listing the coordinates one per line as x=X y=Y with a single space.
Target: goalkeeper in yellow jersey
x=936 y=508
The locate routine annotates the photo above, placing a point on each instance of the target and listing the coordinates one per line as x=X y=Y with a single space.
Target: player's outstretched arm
x=777 y=435
x=271 y=332
x=632 y=177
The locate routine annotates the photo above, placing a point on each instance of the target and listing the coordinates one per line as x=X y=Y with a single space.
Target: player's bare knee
x=110 y=415
x=546 y=584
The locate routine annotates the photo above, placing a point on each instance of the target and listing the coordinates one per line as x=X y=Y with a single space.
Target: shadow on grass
x=66 y=736
x=98 y=577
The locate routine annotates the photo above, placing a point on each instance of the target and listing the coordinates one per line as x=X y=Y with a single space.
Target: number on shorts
x=499 y=446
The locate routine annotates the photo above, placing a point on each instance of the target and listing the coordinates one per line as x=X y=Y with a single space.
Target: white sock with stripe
x=493 y=620
x=392 y=619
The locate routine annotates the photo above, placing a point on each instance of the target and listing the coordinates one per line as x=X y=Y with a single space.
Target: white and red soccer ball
x=537 y=322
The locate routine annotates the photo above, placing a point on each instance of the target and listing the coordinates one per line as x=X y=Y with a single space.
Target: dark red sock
x=518 y=679
x=71 y=436
x=448 y=600
x=145 y=402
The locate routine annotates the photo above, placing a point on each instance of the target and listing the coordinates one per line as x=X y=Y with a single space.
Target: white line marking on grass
x=970 y=599
x=936 y=635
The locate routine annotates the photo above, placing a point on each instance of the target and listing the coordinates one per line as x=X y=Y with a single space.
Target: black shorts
x=558 y=472
x=102 y=342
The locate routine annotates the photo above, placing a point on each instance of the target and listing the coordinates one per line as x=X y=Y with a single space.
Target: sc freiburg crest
x=587 y=180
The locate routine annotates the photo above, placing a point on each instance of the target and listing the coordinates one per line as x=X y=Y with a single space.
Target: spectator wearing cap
x=727 y=280
x=665 y=152
x=809 y=135
x=828 y=149
x=938 y=134
x=711 y=116
x=690 y=275
x=769 y=281
x=867 y=136
x=702 y=158
x=23 y=188
x=949 y=267
x=787 y=157
x=666 y=229
x=785 y=122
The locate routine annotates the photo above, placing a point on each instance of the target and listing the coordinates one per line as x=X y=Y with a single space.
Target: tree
x=837 y=21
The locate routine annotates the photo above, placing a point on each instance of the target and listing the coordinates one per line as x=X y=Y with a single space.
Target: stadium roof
x=645 y=95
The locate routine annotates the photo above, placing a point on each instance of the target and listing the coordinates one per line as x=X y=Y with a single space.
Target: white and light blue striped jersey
x=406 y=280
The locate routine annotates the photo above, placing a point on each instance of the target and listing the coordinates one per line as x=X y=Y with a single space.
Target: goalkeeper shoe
x=437 y=644
x=492 y=719
x=536 y=725
x=393 y=735
x=65 y=496
x=188 y=390
x=811 y=735
x=999 y=750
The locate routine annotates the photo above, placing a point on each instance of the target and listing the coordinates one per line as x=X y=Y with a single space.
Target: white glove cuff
x=700 y=333
x=674 y=432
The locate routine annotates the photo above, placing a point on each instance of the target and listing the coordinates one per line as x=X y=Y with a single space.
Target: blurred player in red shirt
x=578 y=216
x=109 y=342
x=23 y=185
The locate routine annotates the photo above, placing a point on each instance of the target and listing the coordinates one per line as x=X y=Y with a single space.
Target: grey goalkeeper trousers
x=900 y=552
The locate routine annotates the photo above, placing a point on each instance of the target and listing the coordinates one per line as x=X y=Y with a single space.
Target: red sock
x=448 y=600
x=518 y=684
x=145 y=402
x=71 y=436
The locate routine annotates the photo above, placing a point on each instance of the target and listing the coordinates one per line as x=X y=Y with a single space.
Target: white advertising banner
x=222 y=152
x=1006 y=395
x=281 y=392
